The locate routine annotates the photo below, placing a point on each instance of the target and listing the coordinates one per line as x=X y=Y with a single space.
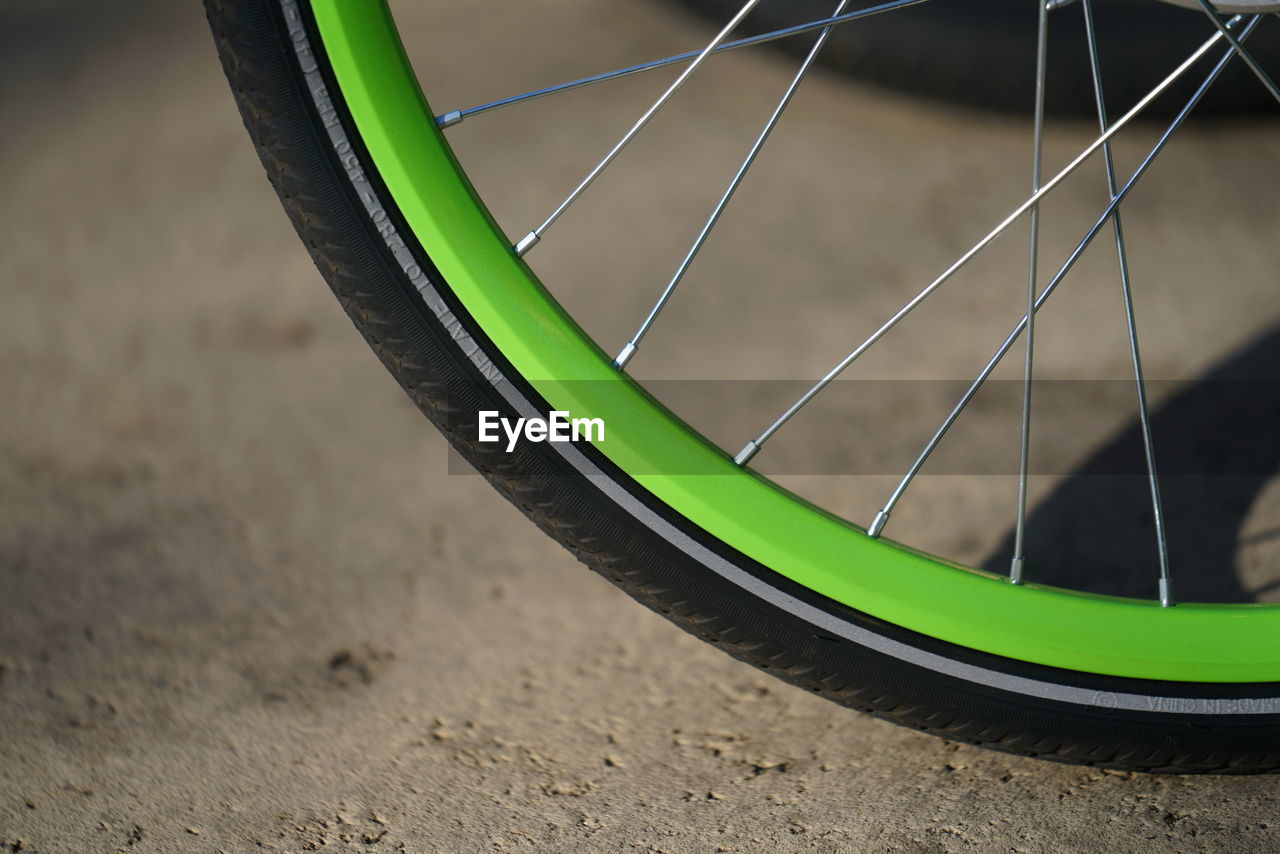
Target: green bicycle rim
x=1030 y=623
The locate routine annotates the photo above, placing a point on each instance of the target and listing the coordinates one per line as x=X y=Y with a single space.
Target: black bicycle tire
x=451 y=371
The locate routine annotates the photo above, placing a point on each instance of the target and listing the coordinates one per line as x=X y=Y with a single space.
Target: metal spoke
x=1257 y=69
x=878 y=524
x=531 y=239
x=1037 y=159
x=753 y=447
x=1126 y=284
x=453 y=117
x=630 y=349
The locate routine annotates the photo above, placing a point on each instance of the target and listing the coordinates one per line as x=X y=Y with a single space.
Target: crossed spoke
x=453 y=117
x=1247 y=56
x=630 y=349
x=753 y=447
x=1126 y=286
x=531 y=239
x=1109 y=214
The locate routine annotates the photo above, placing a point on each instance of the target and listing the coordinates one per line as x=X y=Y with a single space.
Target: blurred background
x=244 y=605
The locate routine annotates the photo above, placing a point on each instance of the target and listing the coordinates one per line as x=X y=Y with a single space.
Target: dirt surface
x=244 y=606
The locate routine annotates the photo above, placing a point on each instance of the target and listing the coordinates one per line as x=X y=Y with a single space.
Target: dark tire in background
x=981 y=53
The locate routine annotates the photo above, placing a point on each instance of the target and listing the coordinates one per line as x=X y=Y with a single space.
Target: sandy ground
x=243 y=606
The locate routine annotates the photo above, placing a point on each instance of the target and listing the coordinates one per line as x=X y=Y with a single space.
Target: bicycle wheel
x=457 y=315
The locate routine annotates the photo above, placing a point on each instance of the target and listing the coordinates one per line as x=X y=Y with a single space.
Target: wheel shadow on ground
x=1217 y=446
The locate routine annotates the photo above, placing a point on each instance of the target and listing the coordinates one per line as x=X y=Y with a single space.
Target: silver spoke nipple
x=625 y=356
x=1166 y=599
x=1053 y=5
x=877 y=524
x=1015 y=569
x=526 y=243
x=748 y=451
x=450 y=119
